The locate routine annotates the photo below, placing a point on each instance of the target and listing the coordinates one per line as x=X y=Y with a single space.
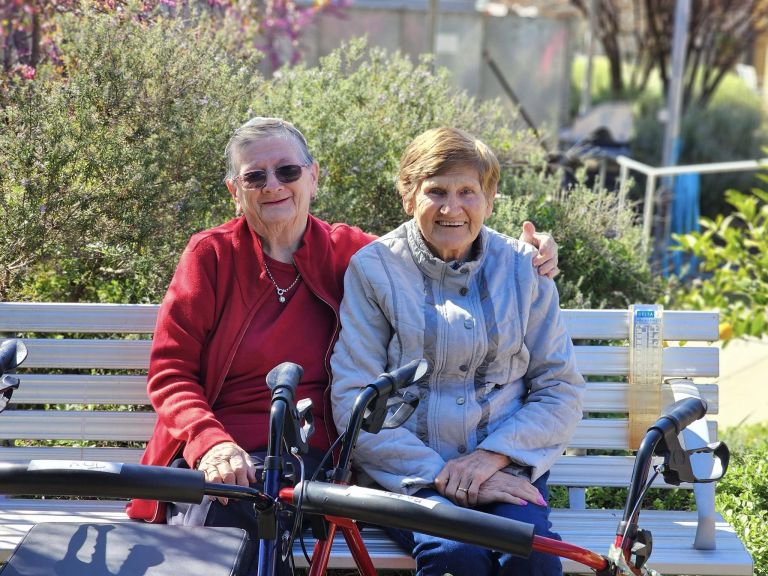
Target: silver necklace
x=280 y=291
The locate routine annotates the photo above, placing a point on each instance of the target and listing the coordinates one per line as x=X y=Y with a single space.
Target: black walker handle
x=385 y=386
x=12 y=353
x=102 y=480
x=118 y=480
x=412 y=513
x=680 y=415
x=677 y=460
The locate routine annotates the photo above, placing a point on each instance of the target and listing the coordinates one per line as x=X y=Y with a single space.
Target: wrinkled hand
x=546 y=259
x=504 y=487
x=461 y=478
x=227 y=463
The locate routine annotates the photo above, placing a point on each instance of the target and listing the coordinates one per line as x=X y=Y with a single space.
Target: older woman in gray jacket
x=502 y=396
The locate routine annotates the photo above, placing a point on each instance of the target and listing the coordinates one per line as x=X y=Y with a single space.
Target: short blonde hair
x=440 y=150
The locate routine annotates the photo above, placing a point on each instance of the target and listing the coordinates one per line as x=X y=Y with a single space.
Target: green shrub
x=601 y=258
x=742 y=495
x=360 y=107
x=655 y=499
x=107 y=166
x=733 y=251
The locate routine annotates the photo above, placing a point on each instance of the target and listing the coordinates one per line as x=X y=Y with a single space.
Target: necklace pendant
x=280 y=291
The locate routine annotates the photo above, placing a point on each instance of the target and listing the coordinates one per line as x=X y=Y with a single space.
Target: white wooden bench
x=77 y=348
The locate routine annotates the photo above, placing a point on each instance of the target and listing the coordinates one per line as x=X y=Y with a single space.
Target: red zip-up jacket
x=218 y=287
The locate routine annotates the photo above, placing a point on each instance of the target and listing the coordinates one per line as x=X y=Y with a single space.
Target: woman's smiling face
x=276 y=203
x=450 y=209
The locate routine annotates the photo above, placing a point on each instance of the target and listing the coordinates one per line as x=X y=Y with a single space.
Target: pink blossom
x=25 y=71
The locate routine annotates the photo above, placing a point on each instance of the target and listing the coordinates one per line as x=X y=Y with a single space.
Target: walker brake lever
x=295 y=433
x=677 y=465
x=386 y=386
x=406 y=405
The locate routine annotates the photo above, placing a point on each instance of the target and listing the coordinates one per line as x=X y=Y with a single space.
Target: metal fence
x=653 y=174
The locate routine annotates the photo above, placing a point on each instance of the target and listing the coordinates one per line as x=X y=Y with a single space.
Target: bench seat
x=87 y=362
x=592 y=529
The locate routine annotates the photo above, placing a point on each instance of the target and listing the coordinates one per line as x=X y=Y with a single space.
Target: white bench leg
x=696 y=435
x=577 y=498
x=705 y=506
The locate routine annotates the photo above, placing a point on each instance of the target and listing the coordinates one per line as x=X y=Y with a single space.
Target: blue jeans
x=437 y=556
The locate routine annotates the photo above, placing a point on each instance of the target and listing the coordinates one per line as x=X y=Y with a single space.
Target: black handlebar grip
x=680 y=414
x=285 y=377
x=411 y=513
x=12 y=353
x=102 y=480
x=389 y=383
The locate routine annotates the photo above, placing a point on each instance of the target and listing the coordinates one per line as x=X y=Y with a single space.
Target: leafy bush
x=733 y=251
x=108 y=165
x=742 y=495
x=600 y=255
x=360 y=107
x=112 y=162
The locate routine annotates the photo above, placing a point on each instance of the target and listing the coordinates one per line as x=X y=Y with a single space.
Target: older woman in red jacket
x=261 y=289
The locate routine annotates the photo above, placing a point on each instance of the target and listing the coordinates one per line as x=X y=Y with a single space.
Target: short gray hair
x=261 y=127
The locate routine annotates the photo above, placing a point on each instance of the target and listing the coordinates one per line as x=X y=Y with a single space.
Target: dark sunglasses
x=257 y=179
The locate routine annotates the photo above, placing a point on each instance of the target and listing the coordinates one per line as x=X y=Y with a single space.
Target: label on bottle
x=645 y=369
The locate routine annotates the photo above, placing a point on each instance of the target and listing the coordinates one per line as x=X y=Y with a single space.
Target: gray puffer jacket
x=502 y=371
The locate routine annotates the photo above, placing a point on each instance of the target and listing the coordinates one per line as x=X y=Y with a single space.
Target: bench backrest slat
x=678 y=362
x=102 y=454
x=607 y=433
x=76 y=354
x=82 y=389
x=601 y=397
x=688 y=361
x=614 y=325
x=140 y=318
x=77 y=318
x=77 y=425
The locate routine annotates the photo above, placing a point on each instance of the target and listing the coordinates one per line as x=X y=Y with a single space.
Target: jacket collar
x=436 y=268
x=313 y=259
